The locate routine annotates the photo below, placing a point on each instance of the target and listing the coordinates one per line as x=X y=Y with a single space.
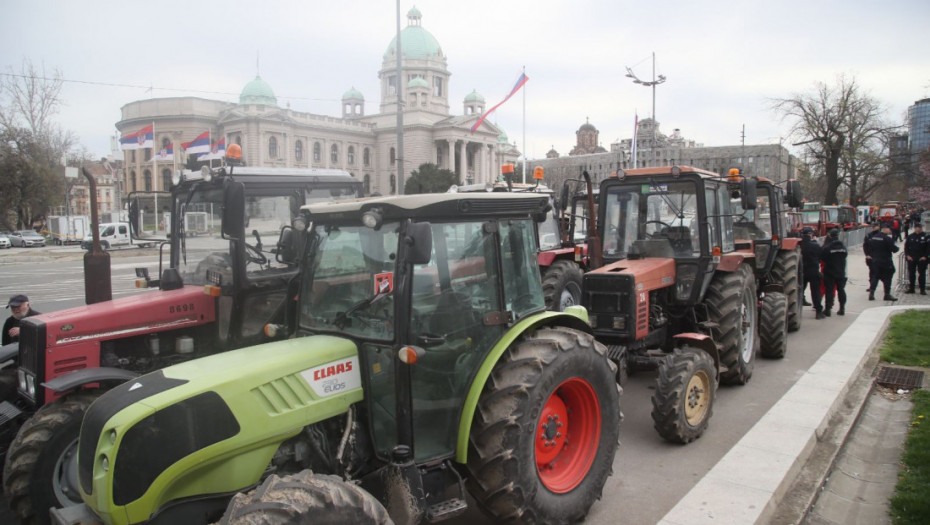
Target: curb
x=751 y=482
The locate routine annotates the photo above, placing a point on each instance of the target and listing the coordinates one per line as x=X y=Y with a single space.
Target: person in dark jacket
x=810 y=260
x=880 y=250
x=19 y=306
x=916 y=251
x=876 y=230
x=833 y=256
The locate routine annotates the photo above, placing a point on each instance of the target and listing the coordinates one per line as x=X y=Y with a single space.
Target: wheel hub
x=696 y=398
x=566 y=435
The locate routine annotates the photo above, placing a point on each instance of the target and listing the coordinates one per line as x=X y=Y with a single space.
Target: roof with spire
x=258 y=92
x=416 y=43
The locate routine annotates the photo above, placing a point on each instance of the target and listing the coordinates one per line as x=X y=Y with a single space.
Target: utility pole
x=655 y=82
x=400 y=112
x=742 y=155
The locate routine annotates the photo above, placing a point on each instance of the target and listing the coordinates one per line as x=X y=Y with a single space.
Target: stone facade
x=364 y=145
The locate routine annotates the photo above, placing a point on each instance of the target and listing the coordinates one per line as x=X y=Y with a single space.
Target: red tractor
x=671 y=289
x=219 y=289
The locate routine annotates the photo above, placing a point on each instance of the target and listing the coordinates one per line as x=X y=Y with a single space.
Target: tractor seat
x=680 y=237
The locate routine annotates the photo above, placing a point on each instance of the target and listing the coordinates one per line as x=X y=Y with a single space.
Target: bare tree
x=33 y=143
x=827 y=122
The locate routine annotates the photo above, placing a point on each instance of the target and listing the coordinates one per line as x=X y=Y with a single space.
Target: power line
x=152 y=88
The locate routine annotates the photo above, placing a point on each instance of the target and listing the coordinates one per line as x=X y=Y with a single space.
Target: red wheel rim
x=567 y=435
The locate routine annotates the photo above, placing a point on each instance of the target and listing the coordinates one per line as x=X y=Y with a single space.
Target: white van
x=112 y=234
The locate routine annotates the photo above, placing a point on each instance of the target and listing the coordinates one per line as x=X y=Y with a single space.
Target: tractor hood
x=208 y=426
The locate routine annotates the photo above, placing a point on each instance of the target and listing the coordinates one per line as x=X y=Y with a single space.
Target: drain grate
x=892 y=377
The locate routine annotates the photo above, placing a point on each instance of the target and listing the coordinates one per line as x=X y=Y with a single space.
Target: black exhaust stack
x=97 y=286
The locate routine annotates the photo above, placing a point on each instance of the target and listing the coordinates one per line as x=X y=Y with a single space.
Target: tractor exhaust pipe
x=97 y=286
x=594 y=243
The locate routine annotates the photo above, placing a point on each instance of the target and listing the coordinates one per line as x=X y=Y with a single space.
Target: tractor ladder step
x=446 y=509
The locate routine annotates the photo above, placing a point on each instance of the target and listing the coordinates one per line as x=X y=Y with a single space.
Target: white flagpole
x=524 y=127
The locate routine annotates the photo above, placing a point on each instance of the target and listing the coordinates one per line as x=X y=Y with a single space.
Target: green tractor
x=422 y=365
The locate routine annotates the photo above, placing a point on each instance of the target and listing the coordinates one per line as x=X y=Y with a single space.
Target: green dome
x=502 y=138
x=417 y=43
x=352 y=93
x=258 y=92
x=474 y=96
x=418 y=82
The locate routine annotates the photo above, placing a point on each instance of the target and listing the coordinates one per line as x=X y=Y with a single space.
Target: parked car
x=26 y=239
x=5 y=241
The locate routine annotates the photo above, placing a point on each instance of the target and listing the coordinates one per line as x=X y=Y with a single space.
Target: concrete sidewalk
x=775 y=472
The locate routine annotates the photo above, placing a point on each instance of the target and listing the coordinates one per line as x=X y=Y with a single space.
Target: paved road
x=650 y=476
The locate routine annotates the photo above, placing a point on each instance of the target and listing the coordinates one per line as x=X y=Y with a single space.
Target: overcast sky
x=724 y=59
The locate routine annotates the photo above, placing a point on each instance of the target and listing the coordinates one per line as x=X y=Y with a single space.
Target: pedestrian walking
x=834 y=256
x=916 y=251
x=876 y=230
x=880 y=250
x=810 y=260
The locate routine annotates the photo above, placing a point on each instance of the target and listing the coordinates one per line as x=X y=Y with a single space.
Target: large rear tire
x=41 y=465
x=305 y=498
x=545 y=430
x=731 y=303
x=787 y=271
x=562 y=285
x=684 y=398
x=773 y=326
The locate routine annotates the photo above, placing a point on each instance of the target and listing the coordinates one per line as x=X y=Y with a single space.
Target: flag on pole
x=165 y=155
x=516 y=87
x=217 y=151
x=144 y=138
x=200 y=144
x=635 y=131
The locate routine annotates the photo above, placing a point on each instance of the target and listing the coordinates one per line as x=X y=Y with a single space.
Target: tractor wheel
x=562 y=285
x=773 y=326
x=684 y=398
x=545 y=430
x=731 y=303
x=41 y=465
x=787 y=270
x=305 y=498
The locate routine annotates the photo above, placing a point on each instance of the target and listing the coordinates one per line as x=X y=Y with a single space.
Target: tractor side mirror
x=286 y=250
x=233 y=210
x=747 y=190
x=563 y=199
x=419 y=241
x=793 y=197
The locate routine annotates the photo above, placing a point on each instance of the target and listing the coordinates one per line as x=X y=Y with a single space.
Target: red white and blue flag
x=144 y=138
x=217 y=151
x=166 y=154
x=516 y=87
x=200 y=144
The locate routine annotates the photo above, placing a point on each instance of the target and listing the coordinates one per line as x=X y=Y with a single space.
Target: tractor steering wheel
x=255 y=255
x=664 y=224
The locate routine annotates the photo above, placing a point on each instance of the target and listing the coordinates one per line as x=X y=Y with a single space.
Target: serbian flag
x=516 y=87
x=164 y=154
x=201 y=144
x=635 y=132
x=217 y=151
x=144 y=138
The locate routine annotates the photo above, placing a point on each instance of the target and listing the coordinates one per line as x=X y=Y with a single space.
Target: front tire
x=562 y=285
x=545 y=430
x=684 y=398
x=731 y=303
x=305 y=498
x=773 y=326
x=41 y=465
x=787 y=271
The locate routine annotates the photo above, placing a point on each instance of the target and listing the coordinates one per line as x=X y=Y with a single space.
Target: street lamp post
x=655 y=82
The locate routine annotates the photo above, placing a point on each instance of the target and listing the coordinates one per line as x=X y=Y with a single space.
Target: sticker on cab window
x=384 y=283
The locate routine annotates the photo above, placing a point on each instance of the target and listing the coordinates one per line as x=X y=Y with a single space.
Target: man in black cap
x=916 y=250
x=879 y=248
x=19 y=306
x=833 y=256
x=876 y=230
x=810 y=260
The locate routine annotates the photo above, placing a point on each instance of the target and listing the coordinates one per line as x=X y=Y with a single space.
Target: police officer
x=810 y=260
x=833 y=256
x=876 y=230
x=916 y=250
x=880 y=250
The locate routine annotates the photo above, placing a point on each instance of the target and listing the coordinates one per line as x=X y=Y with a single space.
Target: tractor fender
x=9 y=351
x=790 y=243
x=730 y=262
x=702 y=341
x=573 y=317
x=87 y=376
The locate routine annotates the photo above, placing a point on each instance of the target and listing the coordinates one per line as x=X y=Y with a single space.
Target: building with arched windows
x=364 y=145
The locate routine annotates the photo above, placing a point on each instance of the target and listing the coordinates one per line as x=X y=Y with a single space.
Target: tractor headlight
x=104 y=463
x=684 y=282
x=619 y=322
x=21 y=375
x=31 y=385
